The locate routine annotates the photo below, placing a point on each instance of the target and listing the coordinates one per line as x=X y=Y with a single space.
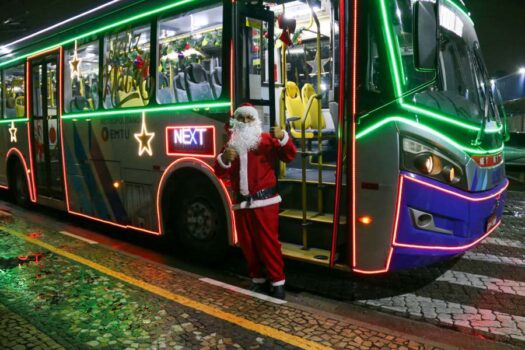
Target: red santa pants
x=257 y=229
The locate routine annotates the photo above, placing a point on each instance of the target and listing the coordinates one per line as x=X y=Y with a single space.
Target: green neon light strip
x=102 y=114
x=391 y=49
x=18 y=120
x=449 y=120
x=102 y=29
x=394 y=64
x=387 y=120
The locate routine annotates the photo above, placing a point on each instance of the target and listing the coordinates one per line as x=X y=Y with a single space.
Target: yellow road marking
x=212 y=311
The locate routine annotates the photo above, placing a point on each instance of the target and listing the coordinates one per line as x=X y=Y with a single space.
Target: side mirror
x=426 y=35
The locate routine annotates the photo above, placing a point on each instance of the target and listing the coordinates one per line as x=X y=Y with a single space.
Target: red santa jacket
x=254 y=170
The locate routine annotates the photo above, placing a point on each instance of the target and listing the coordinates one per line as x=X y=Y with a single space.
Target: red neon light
x=31 y=183
x=235 y=239
x=4 y=187
x=204 y=153
x=62 y=146
x=21 y=156
x=340 y=123
x=354 y=143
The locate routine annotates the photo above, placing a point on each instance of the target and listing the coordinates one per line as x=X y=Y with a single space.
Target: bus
x=118 y=117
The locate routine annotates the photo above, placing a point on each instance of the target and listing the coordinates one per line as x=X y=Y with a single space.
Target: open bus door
x=45 y=123
x=306 y=227
x=254 y=60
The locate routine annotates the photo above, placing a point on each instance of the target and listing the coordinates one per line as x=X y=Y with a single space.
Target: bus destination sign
x=198 y=141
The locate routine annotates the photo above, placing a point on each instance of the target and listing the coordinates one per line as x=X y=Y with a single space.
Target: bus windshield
x=462 y=72
x=464 y=88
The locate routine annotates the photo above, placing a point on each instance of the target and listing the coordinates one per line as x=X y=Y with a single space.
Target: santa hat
x=246 y=109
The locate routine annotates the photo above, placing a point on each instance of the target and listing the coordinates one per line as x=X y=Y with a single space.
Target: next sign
x=198 y=140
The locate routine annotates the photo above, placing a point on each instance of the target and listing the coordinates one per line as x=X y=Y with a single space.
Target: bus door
x=45 y=126
x=254 y=60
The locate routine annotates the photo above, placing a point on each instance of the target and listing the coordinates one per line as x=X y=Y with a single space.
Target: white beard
x=245 y=137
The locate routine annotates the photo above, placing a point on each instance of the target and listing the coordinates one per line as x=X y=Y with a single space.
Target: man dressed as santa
x=249 y=159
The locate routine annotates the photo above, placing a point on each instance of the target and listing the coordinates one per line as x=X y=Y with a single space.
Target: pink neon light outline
x=463 y=247
x=446 y=248
x=191 y=154
x=471 y=199
x=394 y=232
x=21 y=156
x=341 y=122
x=4 y=187
x=235 y=239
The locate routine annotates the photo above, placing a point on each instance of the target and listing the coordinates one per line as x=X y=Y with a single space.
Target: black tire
x=200 y=222
x=19 y=188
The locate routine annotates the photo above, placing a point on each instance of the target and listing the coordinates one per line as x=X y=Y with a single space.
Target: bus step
x=313 y=255
x=311 y=216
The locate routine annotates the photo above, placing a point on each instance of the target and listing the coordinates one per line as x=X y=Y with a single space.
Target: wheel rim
x=201 y=220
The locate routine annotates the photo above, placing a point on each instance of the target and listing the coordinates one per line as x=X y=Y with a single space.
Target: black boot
x=278 y=292
x=262 y=288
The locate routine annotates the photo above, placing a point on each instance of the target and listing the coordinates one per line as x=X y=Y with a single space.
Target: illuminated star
x=75 y=62
x=12 y=132
x=144 y=138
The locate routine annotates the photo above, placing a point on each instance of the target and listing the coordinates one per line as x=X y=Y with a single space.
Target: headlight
x=425 y=160
x=428 y=164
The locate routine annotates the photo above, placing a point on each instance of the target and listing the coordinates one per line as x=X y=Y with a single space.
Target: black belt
x=260 y=195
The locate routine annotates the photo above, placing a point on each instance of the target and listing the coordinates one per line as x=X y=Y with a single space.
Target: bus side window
x=81 y=78
x=14 y=80
x=126 y=72
x=190 y=54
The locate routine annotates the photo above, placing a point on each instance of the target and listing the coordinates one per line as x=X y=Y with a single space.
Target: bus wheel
x=18 y=186
x=200 y=225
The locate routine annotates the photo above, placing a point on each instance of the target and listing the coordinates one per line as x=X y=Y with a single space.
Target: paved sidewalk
x=88 y=296
x=16 y=333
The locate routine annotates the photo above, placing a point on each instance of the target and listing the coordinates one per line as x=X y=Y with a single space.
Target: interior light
x=116 y=184
x=365 y=220
x=522 y=70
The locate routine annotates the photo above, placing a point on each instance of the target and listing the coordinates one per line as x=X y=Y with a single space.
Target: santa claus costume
x=252 y=176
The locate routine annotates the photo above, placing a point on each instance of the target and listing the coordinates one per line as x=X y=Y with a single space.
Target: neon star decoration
x=75 y=63
x=144 y=138
x=12 y=131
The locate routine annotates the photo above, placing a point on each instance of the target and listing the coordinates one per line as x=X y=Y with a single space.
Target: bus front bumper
x=435 y=222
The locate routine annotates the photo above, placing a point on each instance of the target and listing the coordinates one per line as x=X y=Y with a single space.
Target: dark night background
x=500 y=25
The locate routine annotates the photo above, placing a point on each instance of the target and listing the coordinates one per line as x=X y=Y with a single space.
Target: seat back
x=179 y=86
x=198 y=83
x=216 y=82
x=294 y=105
x=313 y=114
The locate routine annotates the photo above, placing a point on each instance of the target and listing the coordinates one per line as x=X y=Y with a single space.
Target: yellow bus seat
x=295 y=109
x=307 y=92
